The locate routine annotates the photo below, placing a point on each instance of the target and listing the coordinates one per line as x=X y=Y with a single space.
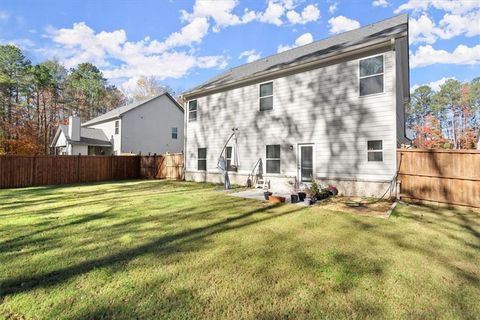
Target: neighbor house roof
x=116 y=113
x=88 y=136
x=382 y=30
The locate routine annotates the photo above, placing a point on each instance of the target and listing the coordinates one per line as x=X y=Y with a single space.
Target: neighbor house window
x=375 y=150
x=117 y=126
x=192 y=110
x=174 y=133
x=202 y=159
x=273 y=158
x=266 y=96
x=371 y=75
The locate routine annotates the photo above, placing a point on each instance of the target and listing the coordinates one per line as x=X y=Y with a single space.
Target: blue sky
x=183 y=43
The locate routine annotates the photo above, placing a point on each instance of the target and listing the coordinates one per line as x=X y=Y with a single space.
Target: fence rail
x=27 y=171
x=447 y=176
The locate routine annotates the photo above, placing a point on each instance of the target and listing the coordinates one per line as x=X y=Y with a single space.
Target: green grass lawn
x=177 y=250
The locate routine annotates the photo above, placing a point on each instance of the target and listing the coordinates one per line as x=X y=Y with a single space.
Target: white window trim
x=206 y=157
x=371 y=75
x=279 y=159
x=259 y=97
x=298 y=156
x=196 y=110
x=383 y=151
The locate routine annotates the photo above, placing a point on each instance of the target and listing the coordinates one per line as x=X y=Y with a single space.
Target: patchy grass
x=177 y=250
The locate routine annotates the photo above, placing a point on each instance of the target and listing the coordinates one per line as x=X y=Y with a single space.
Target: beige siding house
x=151 y=126
x=332 y=110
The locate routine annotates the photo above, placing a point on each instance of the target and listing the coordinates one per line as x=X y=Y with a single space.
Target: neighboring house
x=151 y=126
x=332 y=109
x=72 y=139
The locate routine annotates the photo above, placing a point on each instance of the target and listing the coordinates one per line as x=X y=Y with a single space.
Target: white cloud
x=435 y=85
x=425 y=30
x=422 y=30
x=453 y=6
x=333 y=7
x=309 y=13
x=4 y=15
x=119 y=58
x=220 y=11
x=276 y=9
x=273 y=13
x=251 y=55
x=304 y=39
x=341 y=24
x=462 y=55
x=380 y=3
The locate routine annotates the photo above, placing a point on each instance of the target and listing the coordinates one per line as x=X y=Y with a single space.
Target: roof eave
x=366 y=46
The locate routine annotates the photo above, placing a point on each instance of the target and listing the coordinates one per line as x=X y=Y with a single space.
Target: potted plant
x=294 y=197
x=333 y=190
x=267 y=194
x=309 y=197
x=315 y=189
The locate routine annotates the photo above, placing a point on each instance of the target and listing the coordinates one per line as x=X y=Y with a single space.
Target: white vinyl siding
x=320 y=106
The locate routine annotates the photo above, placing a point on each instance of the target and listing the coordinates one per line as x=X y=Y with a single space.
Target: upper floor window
x=273 y=158
x=371 y=75
x=117 y=126
x=192 y=110
x=375 y=150
x=174 y=133
x=266 y=96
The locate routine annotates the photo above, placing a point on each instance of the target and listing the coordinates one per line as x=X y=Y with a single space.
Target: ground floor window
x=375 y=150
x=273 y=158
x=202 y=159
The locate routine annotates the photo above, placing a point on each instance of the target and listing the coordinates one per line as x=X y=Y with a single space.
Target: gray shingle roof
x=89 y=136
x=116 y=113
x=307 y=53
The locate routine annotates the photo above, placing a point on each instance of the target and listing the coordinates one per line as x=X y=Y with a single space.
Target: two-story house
x=152 y=126
x=332 y=110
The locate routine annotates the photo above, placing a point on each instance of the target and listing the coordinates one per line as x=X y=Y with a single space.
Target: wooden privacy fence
x=169 y=166
x=28 y=171
x=447 y=176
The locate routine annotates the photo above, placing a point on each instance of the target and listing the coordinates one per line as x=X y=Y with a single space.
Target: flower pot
x=308 y=201
x=301 y=196
x=276 y=199
x=267 y=194
x=294 y=198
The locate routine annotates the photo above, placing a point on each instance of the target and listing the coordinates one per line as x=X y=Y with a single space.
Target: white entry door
x=306 y=162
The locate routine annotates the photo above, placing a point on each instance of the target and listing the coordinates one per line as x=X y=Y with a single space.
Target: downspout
x=185 y=124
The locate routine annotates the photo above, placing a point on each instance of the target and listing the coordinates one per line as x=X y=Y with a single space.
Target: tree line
x=36 y=98
x=448 y=118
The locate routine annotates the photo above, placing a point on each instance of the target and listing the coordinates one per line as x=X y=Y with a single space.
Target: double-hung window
x=192 y=110
x=273 y=158
x=229 y=157
x=266 y=96
x=371 y=75
x=202 y=159
x=174 y=133
x=117 y=126
x=375 y=150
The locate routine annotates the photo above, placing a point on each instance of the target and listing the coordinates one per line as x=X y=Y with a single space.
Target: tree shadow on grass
x=170 y=243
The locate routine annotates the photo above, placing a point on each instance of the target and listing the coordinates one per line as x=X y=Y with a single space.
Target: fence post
x=78 y=168
x=111 y=167
x=33 y=169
